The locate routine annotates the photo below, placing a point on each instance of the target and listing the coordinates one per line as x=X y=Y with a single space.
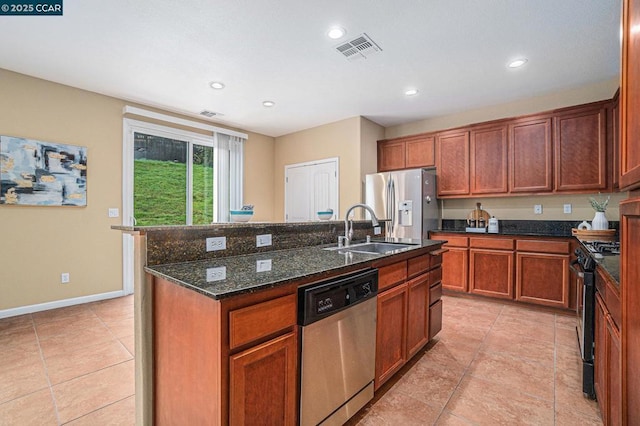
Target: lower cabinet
x=417 y=314
x=391 y=332
x=542 y=272
x=263 y=382
x=455 y=261
x=407 y=317
x=491 y=267
x=607 y=364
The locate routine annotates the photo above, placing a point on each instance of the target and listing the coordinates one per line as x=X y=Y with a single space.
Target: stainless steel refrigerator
x=406 y=200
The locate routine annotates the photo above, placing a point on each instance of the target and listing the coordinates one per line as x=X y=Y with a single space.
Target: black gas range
x=584 y=266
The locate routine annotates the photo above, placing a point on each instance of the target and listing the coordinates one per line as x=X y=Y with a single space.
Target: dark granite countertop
x=611 y=265
x=234 y=275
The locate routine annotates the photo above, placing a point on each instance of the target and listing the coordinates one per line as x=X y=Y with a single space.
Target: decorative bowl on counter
x=240 y=215
x=325 y=215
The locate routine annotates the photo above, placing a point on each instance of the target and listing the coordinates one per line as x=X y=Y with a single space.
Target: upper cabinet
x=489 y=160
x=630 y=97
x=569 y=150
x=530 y=153
x=406 y=153
x=453 y=163
x=580 y=141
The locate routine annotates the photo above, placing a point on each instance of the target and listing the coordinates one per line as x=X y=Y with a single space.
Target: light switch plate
x=216 y=274
x=216 y=243
x=263 y=240
x=64 y=278
x=537 y=209
x=567 y=208
x=114 y=212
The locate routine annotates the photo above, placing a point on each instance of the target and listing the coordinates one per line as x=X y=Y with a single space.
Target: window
x=177 y=177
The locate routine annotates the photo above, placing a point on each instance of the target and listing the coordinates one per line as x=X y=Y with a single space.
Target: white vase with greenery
x=600 y=221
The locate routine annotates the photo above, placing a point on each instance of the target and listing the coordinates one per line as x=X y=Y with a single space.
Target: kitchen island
x=219 y=335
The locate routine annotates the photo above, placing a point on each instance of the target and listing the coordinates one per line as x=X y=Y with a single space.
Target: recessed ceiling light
x=268 y=104
x=411 y=92
x=517 y=63
x=336 y=33
x=216 y=85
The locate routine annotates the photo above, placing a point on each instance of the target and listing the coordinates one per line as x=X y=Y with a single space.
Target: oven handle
x=578 y=272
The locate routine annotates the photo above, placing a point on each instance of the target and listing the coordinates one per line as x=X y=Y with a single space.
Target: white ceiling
x=165 y=53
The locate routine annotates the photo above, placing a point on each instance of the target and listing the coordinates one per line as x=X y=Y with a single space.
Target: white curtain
x=229 y=153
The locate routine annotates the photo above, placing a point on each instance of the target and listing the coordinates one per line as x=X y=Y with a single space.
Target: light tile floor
x=69 y=366
x=493 y=363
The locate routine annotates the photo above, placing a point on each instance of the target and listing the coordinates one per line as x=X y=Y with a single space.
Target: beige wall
x=340 y=139
x=521 y=208
x=581 y=95
x=370 y=134
x=39 y=243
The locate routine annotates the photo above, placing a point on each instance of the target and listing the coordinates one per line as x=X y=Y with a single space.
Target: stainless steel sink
x=374 y=248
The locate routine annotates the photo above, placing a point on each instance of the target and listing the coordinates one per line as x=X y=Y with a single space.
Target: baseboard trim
x=22 y=310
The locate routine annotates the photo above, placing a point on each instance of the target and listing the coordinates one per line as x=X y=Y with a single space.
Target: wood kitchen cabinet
x=405 y=312
x=542 y=272
x=630 y=301
x=233 y=361
x=491 y=267
x=454 y=261
x=530 y=155
x=406 y=153
x=489 y=160
x=608 y=365
x=417 y=313
x=630 y=97
x=391 y=155
x=580 y=150
x=453 y=163
x=263 y=380
x=391 y=333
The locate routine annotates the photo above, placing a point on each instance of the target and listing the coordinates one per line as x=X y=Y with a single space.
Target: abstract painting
x=36 y=173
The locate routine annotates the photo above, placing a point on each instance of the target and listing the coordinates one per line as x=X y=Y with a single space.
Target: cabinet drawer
x=390 y=275
x=452 y=241
x=261 y=320
x=435 y=319
x=491 y=243
x=436 y=276
x=418 y=265
x=542 y=246
x=435 y=293
x=436 y=257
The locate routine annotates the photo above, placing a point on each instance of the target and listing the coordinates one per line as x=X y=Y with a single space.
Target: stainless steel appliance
x=407 y=200
x=338 y=319
x=584 y=266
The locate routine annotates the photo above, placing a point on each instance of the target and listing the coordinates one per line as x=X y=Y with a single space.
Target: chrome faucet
x=344 y=241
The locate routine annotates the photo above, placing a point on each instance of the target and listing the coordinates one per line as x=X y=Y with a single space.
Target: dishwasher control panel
x=319 y=300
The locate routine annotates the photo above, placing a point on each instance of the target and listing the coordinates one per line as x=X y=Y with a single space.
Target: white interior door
x=309 y=188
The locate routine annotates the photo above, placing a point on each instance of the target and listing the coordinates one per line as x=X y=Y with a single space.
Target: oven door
x=585 y=309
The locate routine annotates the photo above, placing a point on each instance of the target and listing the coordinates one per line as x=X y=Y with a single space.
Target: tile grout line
x=46 y=370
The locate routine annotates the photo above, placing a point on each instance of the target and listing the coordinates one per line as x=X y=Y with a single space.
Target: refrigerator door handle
x=392 y=207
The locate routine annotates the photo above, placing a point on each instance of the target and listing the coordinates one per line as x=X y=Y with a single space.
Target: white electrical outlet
x=537 y=209
x=377 y=230
x=216 y=243
x=263 y=265
x=64 y=278
x=567 y=208
x=263 y=240
x=114 y=212
x=216 y=274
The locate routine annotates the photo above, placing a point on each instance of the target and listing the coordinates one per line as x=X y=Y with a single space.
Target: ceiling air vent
x=360 y=47
x=208 y=113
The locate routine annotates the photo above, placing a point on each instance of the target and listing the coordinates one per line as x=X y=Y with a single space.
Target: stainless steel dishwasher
x=338 y=319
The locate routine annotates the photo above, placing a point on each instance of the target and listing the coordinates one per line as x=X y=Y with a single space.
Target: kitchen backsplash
x=559 y=228
x=521 y=208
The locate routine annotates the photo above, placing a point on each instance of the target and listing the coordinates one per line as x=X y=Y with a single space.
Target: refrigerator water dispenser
x=405 y=213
